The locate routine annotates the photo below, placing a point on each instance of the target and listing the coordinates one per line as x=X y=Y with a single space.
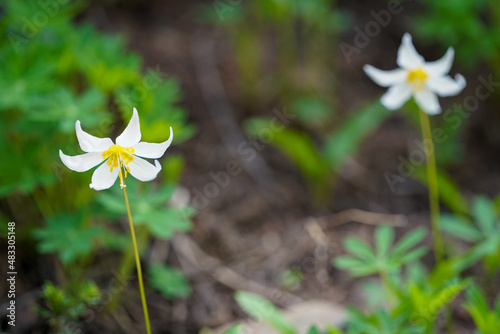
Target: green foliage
x=482 y=231
x=63 y=309
x=150 y=208
x=467 y=25
x=168 y=281
x=487 y=320
x=59 y=72
x=424 y=303
x=379 y=322
x=363 y=260
x=263 y=310
x=67 y=235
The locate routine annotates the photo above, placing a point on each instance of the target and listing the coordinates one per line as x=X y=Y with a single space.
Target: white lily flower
x=125 y=155
x=418 y=78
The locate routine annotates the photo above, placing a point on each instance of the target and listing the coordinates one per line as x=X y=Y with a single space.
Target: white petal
x=446 y=86
x=385 y=78
x=428 y=101
x=89 y=143
x=132 y=133
x=83 y=162
x=396 y=96
x=441 y=66
x=143 y=170
x=153 y=150
x=408 y=57
x=103 y=178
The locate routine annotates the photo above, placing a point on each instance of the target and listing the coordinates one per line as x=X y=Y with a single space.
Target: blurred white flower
x=124 y=156
x=417 y=78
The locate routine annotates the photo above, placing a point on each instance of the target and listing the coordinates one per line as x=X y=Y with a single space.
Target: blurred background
x=281 y=150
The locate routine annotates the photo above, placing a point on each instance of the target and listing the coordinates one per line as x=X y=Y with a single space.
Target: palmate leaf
x=263 y=310
x=67 y=235
x=362 y=261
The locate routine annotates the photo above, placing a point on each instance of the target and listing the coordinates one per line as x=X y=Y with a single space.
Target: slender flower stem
x=136 y=252
x=433 y=185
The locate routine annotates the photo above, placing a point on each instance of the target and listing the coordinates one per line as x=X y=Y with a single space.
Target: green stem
x=433 y=185
x=136 y=253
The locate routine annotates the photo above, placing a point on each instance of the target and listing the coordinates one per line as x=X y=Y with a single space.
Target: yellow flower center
x=117 y=156
x=417 y=78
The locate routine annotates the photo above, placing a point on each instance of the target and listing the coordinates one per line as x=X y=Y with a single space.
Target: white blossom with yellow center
x=126 y=156
x=415 y=77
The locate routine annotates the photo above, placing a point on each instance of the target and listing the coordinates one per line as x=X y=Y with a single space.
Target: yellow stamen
x=118 y=156
x=417 y=78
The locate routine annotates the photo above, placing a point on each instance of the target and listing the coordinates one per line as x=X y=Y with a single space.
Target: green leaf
x=67 y=235
x=297 y=145
x=263 y=310
x=408 y=241
x=359 y=248
x=168 y=281
x=460 y=227
x=484 y=213
x=346 y=140
x=313 y=330
x=384 y=236
x=236 y=329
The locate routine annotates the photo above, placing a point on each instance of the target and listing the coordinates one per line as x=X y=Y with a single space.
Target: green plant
x=65 y=309
x=487 y=320
x=481 y=230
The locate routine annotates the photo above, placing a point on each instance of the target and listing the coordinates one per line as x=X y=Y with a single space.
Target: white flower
x=115 y=158
x=417 y=78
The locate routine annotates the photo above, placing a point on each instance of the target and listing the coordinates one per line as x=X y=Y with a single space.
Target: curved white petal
x=132 y=133
x=408 y=57
x=396 y=96
x=103 y=178
x=385 y=78
x=89 y=143
x=153 y=150
x=441 y=66
x=428 y=101
x=143 y=170
x=81 y=163
x=446 y=86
